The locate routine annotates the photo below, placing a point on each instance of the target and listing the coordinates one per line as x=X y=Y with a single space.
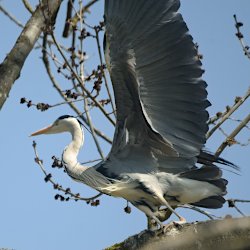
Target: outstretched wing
x=156 y=75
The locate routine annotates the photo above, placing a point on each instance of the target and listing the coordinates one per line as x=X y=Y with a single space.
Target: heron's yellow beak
x=42 y=131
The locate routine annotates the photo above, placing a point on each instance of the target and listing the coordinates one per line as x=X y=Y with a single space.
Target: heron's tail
x=207 y=158
x=211 y=202
x=212 y=175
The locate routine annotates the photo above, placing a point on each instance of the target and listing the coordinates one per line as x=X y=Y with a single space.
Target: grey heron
x=161 y=103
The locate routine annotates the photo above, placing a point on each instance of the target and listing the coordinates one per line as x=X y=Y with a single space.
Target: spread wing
x=160 y=97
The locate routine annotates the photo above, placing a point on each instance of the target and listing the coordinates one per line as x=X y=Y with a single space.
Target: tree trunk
x=227 y=234
x=12 y=65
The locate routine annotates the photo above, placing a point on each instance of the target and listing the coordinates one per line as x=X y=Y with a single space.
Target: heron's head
x=65 y=123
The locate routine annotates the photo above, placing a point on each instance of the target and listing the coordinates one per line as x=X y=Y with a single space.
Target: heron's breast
x=135 y=189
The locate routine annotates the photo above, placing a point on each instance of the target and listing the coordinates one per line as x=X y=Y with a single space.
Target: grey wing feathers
x=211 y=202
x=156 y=75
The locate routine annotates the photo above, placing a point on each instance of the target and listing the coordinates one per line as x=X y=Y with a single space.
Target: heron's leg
x=182 y=219
x=152 y=224
x=150 y=215
x=164 y=213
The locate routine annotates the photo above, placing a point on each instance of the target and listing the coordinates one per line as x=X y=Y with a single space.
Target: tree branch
x=48 y=178
x=230 y=139
x=75 y=18
x=11 y=68
x=28 y=6
x=227 y=114
x=81 y=83
x=241 y=36
x=227 y=234
x=57 y=87
x=102 y=70
x=11 y=17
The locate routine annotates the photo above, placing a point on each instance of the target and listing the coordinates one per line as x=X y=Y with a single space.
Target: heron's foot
x=167 y=228
x=180 y=222
x=174 y=224
x=152 y=225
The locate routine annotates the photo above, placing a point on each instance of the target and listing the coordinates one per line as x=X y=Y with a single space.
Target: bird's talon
x=182 y=220
x=166 y=228
x=163 y=230
x=180 y=223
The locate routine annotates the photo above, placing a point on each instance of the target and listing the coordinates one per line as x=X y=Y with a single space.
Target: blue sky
x=30 y=218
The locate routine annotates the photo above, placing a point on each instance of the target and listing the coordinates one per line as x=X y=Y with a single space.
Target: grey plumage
x=160 y=96
x=161 y=104
x=155 y=70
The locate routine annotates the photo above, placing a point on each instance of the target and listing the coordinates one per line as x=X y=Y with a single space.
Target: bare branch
x=80 y=82
x=240 y=37
x=216 y=117
x=57 y=87
x=209 y=215
x=28 y=6
x=75 y=18
x=231 y=203
x=98 y=147
x=90 y=161
x=45 y=106
x=229 y=112
x=10 y=69
x=68 y=17
x=227 y=234
x=102 y=70
x=230 y=139
x=11 y=17
x=48 y=178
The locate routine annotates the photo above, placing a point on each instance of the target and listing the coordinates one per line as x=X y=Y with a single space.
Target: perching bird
x=161 y=124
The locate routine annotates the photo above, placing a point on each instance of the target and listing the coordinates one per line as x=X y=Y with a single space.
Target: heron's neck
x=70 y=153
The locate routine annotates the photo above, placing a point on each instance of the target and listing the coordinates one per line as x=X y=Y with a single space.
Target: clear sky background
x=30 y=218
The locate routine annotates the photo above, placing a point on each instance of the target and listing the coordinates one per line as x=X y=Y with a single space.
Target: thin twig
x=210 y=216
x=92 y=128
x=235 y=141
x=73 y=63
x=11 y=17
x=20 y=25
x=238 y=210
x=91 y=161
x=231 y=203
x=98 y=147
x=103 y=71
x=229 y=113
x=15 y=60
x=80 y=82
x=240 y=37
x=238 y=120
x=66 y=102
x=223 y=132
x=239 y=200
x=57 y=87
x=56 y=185
x=28 y=6
x=216 y=117
x=79 y=13
x=230 y=139
x=58 y=64
x=45 y=106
